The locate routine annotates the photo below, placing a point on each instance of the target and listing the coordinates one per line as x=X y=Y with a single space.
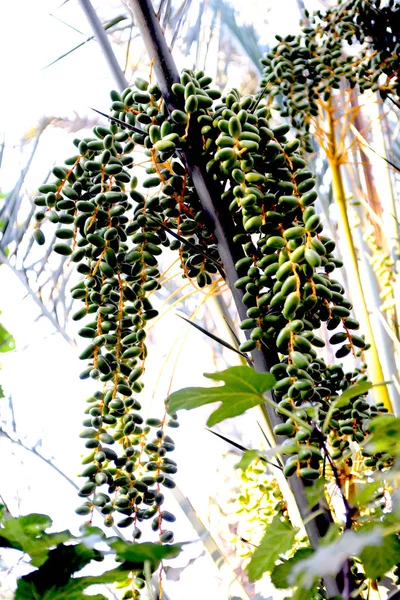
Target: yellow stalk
x=372 y=357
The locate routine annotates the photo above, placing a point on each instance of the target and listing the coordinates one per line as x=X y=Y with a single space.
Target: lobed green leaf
x=277 y=540
x=244 y=388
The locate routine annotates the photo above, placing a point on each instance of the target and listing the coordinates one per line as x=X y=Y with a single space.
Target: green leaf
x=57 y=563
x=379 y=560
x=316 y=493
x=328 y=560
x=352 y=392
x=26 y=533
x=243 y=389
x=54 y=578
x=247 y=459
x=366 y=493
x=1 y=392
x=332 y=535
x=137 y=554
x=344 y=399
x=33 y=524
x=119 y=574
x=385 y=435
x=54 y=581
x=278 y=538
x=302 y=594
x=92 y=535
x=7 y=342
x=280 y=574
x=72 y=591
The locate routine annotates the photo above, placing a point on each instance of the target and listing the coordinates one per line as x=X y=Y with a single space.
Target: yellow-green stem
x=372 y=357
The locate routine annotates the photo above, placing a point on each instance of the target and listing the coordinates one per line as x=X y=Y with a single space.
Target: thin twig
x=33 y=450
x=119 y=122
x=194 y=247
x=104 y=43
x=217 y=339
x=364 y=142
x=243 y=448
x=45 y=312
x=184 y=7
x=128 y=46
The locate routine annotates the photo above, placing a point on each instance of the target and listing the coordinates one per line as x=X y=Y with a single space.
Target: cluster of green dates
x=286 y=276
x=115 y=234
x=302 y=69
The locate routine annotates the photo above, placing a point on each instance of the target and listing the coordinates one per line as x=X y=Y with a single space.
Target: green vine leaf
x=7 y=342
x=366 y=493
x=378 y=561
x=57 y=562
x=302 y=594
x=279 y=575
x=247 y=458
x=278 y=539
x=73 y=591
x=135 y=555
x=91 y=535
x=27 y=533
x=54 y=578
x=385 y=435
x=244 y=388
x=316 y=493
x=352 y=392
x=327 y=560
x=344 y=399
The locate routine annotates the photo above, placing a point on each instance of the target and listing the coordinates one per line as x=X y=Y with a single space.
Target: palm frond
x=107 y=26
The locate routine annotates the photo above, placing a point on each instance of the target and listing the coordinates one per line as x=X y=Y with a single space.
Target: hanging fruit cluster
x=301 y=70
x=115 y=235
x=286 y=274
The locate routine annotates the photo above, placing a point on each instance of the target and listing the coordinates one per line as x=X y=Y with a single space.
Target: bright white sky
x=42 y=375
